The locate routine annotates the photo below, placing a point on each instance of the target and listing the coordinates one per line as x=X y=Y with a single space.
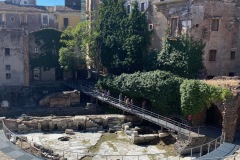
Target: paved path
x=9 y=149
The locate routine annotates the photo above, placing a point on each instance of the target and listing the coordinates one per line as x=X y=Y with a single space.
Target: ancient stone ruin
x=61 y=99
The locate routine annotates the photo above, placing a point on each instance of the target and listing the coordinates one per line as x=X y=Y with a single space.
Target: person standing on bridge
x=127 y=102
x=131 y=104
x=120 y=98
x=108 y=94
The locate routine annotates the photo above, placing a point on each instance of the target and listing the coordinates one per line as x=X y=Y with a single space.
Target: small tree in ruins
x=182 y=56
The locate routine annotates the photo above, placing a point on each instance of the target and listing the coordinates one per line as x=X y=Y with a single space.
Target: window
x=7 y=67
x=128 y=9
x=150 y=27
x=36 y=50
x=212 y=55
x=12 y=19
x=7 y=51
x=142 y=7
x=232 y=57
x=174 y=27
x=215 y=24
x=45 y=20
x=25 y=2
x=65 y=22
x=8 y=75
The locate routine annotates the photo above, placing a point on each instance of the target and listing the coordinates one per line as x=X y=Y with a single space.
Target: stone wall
x=223 y=40
x=13 y=41
x=61 y=99
x=230 y=114
x=30 y=124
x=229 y=111
x=196 y=18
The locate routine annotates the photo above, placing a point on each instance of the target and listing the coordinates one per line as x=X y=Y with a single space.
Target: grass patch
x=86 y=141
x=109 y=138
x=104 y=138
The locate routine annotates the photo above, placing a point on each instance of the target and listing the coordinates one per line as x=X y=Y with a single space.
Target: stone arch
x=214 y=116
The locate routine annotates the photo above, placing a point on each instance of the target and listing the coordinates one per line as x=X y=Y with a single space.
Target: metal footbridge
x=216 y=149
x=133 y=109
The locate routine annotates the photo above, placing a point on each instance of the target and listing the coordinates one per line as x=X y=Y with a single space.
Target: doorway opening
x=214 y=117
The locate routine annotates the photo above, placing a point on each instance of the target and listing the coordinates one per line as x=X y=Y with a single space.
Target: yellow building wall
x=73 y=20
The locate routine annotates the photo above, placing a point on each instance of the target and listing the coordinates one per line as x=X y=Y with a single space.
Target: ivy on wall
x=167 y=92
x=48 y=41
x=197 y=96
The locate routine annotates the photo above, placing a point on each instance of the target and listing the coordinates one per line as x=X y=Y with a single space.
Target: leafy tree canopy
x=73 y=52
x=48 y=41
x=182 y=56
x=123 y=38
x=160 y=87
x=168 y=93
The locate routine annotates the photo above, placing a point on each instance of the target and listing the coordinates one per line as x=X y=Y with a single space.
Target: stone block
x=69 y=131
x=126 y=128
x=163 y=134
x=22 y=128
x=135 y=133
x=127 y=124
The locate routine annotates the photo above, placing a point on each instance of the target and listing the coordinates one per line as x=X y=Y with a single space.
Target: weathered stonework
x=13 y=57
x=52 y=123
x=62 y=99
x=230 y=115
x=196 y=18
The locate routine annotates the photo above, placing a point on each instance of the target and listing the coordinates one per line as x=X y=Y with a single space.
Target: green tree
x=75 y=48
x=124 y=38
x=160 y=87
x=48 y=41
x=182 y=56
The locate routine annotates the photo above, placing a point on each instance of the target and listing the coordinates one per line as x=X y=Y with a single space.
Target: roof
x=65 y=9
x=18 y=8
x=4 y=6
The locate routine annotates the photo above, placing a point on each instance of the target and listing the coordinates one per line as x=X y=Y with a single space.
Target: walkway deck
x=224 y=150
x=13 y=151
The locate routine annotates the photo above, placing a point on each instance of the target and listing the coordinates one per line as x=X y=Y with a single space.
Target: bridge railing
x=24 y=143
x=91 y=90
x=199 y=151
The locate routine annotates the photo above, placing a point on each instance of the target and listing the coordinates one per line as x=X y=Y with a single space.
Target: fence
x=205 y=148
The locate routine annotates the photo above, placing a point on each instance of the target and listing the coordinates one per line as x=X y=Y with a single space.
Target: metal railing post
x=224 y=136
x=208 y=147
x=191 y=153
x=200 y=151
x=215 y=143
x=198 y=130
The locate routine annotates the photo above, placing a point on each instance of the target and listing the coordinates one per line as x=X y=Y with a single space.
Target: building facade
x=22 y=17
x=215 y=22
x=14 y=58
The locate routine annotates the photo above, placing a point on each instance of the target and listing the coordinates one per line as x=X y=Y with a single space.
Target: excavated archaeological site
x=91 y=137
